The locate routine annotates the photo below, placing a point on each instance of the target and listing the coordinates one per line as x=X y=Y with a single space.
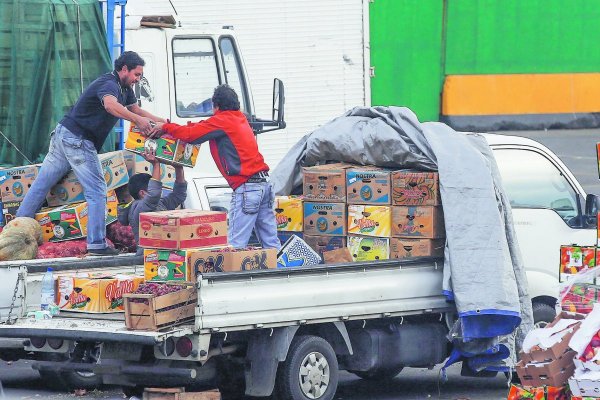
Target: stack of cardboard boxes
x=181 y=244
x=377 y=213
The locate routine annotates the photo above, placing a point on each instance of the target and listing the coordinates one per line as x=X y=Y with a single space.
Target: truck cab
x=183 y=67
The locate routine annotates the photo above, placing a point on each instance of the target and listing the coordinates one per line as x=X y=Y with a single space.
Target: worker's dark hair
x=129 y=58
x=225 y=98
x=138 y=182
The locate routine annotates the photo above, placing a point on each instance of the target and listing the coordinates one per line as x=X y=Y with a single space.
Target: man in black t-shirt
x=79 y=136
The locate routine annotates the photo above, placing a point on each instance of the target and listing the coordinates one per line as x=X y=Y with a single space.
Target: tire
x=53 y=379
x=309 y=372
x=378 y=374
x=83 y=380
x=133 y=391
x=543 y=314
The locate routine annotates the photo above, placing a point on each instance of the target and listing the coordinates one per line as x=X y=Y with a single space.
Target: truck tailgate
x=83 y=327
x=291 y=296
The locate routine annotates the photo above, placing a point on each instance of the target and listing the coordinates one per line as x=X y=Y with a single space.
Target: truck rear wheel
x=82 y=379
x=310 y=371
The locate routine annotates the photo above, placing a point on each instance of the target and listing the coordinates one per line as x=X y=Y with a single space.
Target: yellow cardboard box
x=370 y=220
x=289 y=213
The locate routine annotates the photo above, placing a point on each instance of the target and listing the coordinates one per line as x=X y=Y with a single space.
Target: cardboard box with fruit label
x=289 y=213
x=412 y=188
x=369 y=248
x=15 y=182
x=183 y=229
x=368 y=185
x=229 y=260
x=574 y=259
x=325 y=219
x=326 y=183
x=94 y=294
x=166 y=265
x=69 y=190
x=70 y=221
x=9 y=210
x=136 y=164
x=418 y=222
x=167 y=148
x=369 y=220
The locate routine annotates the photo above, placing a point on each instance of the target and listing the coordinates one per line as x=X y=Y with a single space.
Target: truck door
x=545 y=211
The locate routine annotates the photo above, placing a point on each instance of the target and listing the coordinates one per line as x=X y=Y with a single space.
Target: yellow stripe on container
x=521 y=94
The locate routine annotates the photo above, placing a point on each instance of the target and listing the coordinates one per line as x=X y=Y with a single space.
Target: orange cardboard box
x=418 y=222
x=229 y=260
x=326 y=183
x=412 y=188
x=95 y=293
x=405 y=248
x=183 y=229
x=368 y=185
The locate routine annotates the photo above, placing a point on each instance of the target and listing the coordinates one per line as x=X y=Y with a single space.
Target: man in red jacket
x=235 y=151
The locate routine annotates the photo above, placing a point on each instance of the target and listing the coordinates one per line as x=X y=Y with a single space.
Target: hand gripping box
x=325 y=219
x=369 y=220
x=288 y=213
x=326 y=183
x=368 y=185
x=69 y=190
x=136 y=164
x=183 y=229
x=413 y=188
x=15 y=182
x=167 y=148
x=70 y=221
x=418 y=222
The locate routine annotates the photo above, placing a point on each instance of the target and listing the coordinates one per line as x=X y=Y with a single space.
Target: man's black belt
x=259 y=177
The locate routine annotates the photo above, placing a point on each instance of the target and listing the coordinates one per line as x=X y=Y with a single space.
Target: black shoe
x=107 y=251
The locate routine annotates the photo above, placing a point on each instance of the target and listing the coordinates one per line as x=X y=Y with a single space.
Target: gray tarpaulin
x=483 y=269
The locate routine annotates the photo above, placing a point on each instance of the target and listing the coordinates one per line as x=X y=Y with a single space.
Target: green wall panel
x=522 y=36
x=406 y=51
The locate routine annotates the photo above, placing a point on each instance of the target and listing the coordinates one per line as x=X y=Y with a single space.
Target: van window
x=233 y=71
x=532 y=181
x=196 y=76
x=219 y=198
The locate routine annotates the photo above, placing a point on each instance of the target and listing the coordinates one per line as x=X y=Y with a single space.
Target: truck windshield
x=196 y=76
x=532 y=181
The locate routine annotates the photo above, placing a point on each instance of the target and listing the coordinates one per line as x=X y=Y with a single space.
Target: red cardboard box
x=412 y=188
x=574 y=259
x=183 y=229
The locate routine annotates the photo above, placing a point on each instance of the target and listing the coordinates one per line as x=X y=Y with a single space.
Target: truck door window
x=219 y=198
x=233 y=70
x=533 y=181
x=196 y=76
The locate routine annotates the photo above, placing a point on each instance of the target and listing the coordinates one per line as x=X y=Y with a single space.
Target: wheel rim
x=540 y=324
x=314 y=375
x=90 y=356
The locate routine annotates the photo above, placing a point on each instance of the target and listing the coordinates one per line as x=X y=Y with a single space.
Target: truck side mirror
x=278 y=103
x=592 y=205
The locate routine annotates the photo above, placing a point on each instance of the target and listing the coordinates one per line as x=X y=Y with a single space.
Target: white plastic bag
x=589 y=326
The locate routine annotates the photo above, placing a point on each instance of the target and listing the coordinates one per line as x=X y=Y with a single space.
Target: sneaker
x=107 y=251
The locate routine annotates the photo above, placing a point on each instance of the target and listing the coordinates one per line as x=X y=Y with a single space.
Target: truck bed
x=270 y=298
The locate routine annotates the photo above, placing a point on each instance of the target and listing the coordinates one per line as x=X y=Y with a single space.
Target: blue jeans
x=67 y=151
x=252 y=207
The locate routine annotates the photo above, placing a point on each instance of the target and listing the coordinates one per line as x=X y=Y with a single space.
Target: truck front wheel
x=310 y=370
x=543 y=314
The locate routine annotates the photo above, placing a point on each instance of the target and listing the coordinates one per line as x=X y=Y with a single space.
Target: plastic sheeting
x=50 y=50
x=483 y=270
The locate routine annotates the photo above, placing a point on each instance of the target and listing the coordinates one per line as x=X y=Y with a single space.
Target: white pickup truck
x=292 y=330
